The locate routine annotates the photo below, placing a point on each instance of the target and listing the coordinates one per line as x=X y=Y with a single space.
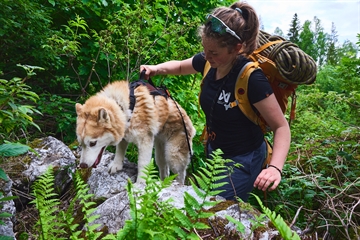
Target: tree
x=332 y=57
x=348 y=49
x=293 y=34
x=25 y=26
x=320 y=41
x=306 y=40
x=279 y=32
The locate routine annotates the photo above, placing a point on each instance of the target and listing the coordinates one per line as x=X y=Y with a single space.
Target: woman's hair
x=242 y=19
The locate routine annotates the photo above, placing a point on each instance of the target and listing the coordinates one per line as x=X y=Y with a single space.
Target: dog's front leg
x=117 y=163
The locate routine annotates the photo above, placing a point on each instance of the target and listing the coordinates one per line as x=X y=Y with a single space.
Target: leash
x=166 y=91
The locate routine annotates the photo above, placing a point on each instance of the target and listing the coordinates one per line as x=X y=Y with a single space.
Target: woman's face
x=217 y=55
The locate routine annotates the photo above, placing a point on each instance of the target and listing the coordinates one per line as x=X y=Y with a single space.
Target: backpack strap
x=205 y=72
x=241 y=93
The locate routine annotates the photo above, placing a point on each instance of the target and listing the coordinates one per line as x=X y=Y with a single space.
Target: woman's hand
x=150 y=70
x=268 y=178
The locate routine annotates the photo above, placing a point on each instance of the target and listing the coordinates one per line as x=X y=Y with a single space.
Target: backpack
x=284 y=64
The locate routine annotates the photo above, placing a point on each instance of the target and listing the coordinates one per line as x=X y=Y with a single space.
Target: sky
x=345 y=14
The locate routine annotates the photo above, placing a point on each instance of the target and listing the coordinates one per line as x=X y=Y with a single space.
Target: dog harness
x=154 y=91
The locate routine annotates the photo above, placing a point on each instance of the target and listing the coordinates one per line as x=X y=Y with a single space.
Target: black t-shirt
x=235 y=133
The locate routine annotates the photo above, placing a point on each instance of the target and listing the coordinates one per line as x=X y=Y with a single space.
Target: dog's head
x=100 y=123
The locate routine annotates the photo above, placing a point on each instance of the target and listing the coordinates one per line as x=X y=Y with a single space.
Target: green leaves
x=13 y=149
x=278 y=222
x=15 y=115
x=55 y=223
x=47 y=203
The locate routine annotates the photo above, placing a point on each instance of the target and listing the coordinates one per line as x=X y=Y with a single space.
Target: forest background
x=56 y=53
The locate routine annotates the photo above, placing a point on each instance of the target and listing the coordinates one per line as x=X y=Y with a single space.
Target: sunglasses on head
x=219 y=26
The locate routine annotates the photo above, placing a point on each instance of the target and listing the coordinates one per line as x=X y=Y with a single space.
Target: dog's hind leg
x=178 y=156
x=117 y=163
x=145 y=147
x=160 y=158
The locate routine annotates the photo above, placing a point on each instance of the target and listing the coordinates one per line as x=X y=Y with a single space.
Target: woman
x=228 y=36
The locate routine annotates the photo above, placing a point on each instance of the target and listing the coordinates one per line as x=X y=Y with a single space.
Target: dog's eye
x=92 y=144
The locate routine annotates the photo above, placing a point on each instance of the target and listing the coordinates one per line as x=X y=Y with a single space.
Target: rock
x=8 y=207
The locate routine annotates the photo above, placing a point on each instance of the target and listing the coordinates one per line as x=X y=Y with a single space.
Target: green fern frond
x=202 y=180
x=180 y=232
x=47 y=204
x=200 y=225
x=191 y=201
x=87 y=208
x=284 y=230
x=184 y=220
x=199 y=192
x=239 y=226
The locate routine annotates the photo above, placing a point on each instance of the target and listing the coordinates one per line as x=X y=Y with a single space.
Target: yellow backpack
x=284 y=64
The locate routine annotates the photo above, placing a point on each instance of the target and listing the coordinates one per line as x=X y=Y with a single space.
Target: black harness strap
x=154 y=91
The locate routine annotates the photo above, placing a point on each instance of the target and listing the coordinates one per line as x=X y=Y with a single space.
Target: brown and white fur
x=105 y=119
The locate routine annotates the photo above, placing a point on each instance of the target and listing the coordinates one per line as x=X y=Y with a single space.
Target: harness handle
x=142 y=77
x=142 y=74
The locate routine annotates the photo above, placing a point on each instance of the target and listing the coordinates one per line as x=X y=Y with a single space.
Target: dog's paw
x=115 y=167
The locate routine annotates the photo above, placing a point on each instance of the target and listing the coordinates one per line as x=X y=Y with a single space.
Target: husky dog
x=155 y=121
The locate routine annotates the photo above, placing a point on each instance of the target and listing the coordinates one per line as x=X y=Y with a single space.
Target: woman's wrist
x=273 y=166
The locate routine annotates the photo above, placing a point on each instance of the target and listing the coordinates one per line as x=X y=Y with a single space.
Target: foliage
x=50 y=225
x=323 y=164
x=25 y=26
x=323 y=186
x=306 y=39
x=15 y=114
x=294 y=31
x=6 y=150
x=278 y=222
x=9 y=149
x=58 y=116
x=47 y=203
x=83 y=45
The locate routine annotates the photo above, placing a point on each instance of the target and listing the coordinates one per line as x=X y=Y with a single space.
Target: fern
x=51 y=226
x=150 y=219
x=209 y=179
x=87 y=208
x=47 y=203
x=284 y=230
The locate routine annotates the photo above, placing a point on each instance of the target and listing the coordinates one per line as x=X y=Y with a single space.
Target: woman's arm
x=271 y=112
x=173 y=67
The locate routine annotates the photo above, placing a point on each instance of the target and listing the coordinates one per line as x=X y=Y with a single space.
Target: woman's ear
x=238 y=47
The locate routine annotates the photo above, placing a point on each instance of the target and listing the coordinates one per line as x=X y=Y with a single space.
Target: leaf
x=52 y=2
x=3 y=175
x=13 y=149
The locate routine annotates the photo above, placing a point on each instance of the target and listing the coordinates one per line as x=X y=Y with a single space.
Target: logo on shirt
x=224 y=99
x=224 y=96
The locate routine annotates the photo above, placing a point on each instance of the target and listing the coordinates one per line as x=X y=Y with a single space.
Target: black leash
x=164 y=88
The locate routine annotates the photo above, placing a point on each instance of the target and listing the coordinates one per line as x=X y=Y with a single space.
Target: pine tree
x=306 y=40
x=293 y=34
x=320 y=41
x=332 y=56
x=279 y=32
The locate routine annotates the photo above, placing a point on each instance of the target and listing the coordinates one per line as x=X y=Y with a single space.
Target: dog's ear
x=78 y=108
x=103 y=116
